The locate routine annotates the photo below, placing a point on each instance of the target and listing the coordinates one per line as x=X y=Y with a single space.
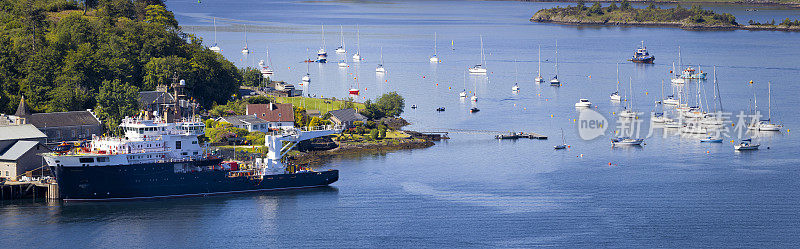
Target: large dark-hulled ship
x=642 y=56
x=158 y=159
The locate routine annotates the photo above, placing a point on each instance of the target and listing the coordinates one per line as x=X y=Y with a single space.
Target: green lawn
x=323 y=105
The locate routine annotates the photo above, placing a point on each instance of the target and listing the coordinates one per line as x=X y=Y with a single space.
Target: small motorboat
x=616 y=97
x=515 y=88
x=380 y=69
x=626 y=141
x=711 y=139
x=474 y=110
x=474 y=98
x=413 y=106
x=746 y=144
x=477 y=69
x=583 y=103
x=555 y=81
x=343 y=64
x=642 y=56
x=440 y=109
x=463 y=94
x=670 y=100
x=628 y=114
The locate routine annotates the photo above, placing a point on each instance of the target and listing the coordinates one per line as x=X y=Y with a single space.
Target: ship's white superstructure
x=144 y=141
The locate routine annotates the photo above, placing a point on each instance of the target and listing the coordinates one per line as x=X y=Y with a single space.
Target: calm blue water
x=474 y=191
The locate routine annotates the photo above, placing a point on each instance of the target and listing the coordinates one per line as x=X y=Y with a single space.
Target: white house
x=248 y=122
x=277 y=116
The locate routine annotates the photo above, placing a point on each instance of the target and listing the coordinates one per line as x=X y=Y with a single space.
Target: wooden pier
x=28 y=190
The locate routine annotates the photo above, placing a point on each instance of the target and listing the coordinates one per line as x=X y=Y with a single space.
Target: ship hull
x=170 y=180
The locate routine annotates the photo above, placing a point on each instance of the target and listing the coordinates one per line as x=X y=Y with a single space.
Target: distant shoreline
x=737 y=3
x=695 y=18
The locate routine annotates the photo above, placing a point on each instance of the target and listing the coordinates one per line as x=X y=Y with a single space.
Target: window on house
x=177 y=145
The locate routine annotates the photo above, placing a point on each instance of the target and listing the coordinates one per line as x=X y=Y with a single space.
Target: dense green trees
x=388 y=105
x=61 y=59
x=625 y=13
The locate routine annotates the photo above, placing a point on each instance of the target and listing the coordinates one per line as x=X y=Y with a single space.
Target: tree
x=596 y=9
x=612 y=7
x=625 y=5
x=115 y=101
x=391 y=104
x=251 y=76
x=158 y=14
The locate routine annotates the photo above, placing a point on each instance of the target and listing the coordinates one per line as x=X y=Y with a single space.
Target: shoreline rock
x=315 y=158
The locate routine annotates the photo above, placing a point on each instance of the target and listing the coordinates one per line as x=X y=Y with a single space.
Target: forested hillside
x=66 y=55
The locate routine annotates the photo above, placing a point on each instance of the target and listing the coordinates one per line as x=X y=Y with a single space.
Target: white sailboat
x=306 y=78
x=746 y=144
x=245 y=50
x=357 y=56
x=380 y=69
x=539 y=78
x=563 y=144
x=266 y=68
x=463 y=94
x=322 y=56
x=767 y=124
x=434 y=58
x=479 y=68
x=555 y=81
x=628 y=112
x=515 y=88
x=615 y=95
x=215 y=48
x=341 y=49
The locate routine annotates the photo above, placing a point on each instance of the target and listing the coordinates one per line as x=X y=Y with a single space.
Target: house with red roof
x=278 y=116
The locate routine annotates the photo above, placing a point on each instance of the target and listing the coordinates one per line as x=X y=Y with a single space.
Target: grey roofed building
x=346 y=117
x=249 y=122
x=20 y=132
x=147 y=98
x=66 y=126
x=16 y=150
x=19 y=146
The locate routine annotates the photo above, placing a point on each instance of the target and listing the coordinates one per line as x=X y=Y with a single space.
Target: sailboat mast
x=556 y=59
x=483 y=57
x=617 y=78
x=323 y=36
x=435 y=51
x=539 y=61
x=215 y=31
x=769 y=100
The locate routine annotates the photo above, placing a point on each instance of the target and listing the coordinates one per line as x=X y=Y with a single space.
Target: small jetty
x=515 y=135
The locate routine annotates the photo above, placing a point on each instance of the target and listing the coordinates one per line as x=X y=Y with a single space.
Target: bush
x=382 y=133
x=373 y=134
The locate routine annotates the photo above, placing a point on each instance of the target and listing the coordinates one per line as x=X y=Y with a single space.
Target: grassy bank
x=323 y=105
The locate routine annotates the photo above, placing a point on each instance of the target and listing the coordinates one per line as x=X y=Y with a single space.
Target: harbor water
x=474 y=190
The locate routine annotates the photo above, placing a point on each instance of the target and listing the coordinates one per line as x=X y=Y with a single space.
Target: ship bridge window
x=86 y=159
